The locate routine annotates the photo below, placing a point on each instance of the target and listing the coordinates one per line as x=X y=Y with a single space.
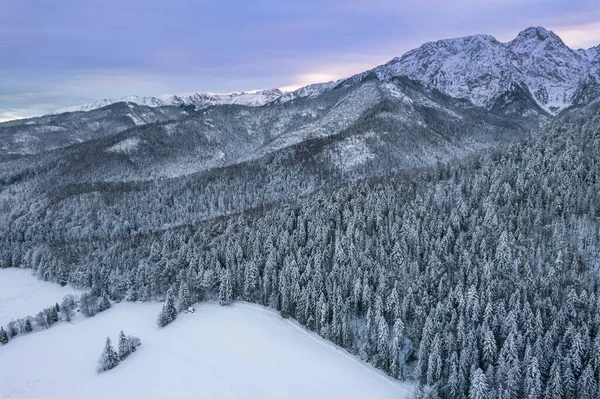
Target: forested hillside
x=477 y=278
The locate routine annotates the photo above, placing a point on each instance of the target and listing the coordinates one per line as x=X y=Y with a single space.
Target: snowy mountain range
x=198 y=100
x=477 y=68
x=480 y=69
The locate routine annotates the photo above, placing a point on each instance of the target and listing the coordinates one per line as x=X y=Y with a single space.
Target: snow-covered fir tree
x=127 y=345
x=109 y=358
x=3 y=336
x=168 y=313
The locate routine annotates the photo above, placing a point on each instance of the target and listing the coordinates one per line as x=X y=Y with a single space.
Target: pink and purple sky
x=57 y=53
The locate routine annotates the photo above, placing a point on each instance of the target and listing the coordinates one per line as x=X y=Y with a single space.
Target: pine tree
x=395 y=365
x=3 y=336
x=453 y=387
x=104 y=303
x=168 y=312
x=554 y=388
x=588 y=384
x=383 y=338
x=250 y=281
x=53 y=315
x=490 y=349
x=109 y=358
x=225 y=288
x=185 y=298
x=67 y=307
x=28 y=326
x=123 y=346
x=479 y=387
x=533 y=383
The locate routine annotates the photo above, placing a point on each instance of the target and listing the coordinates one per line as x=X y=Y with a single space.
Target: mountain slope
x=398 y=123
x=35 y=135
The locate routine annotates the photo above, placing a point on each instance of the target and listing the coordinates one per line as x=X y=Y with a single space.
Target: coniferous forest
x=476 y=277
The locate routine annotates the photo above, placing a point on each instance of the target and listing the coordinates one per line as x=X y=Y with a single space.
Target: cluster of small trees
x=111 y=358
x=173 y=306
x=89 y=305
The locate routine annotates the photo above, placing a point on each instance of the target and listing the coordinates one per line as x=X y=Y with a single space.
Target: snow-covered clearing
x=240 y=351
x=23 y=294
x=125 y=146
x=353 y=152
x=135 y=119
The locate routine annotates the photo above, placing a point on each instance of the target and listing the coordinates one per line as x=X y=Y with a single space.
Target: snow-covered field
x=23 y=294
x=240 y=351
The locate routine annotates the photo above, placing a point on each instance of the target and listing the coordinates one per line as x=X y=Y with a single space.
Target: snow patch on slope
x=353 y=152
x=126 y=146
x=135 y=119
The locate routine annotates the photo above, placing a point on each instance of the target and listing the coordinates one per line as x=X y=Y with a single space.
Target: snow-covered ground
x=240 y=351
x=23 y=294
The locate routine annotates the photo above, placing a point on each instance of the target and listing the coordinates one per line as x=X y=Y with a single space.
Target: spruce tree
x=104 y=303
x=67 y=307
x=479 y=386
x=225 y=288
x=588 y=384
x=185 y=298
x=168 y=312
x=123 y=346
x=109 y=358
x=3 y=336
x=28 y=326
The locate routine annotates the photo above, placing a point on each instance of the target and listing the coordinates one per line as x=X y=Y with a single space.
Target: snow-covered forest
x=478 y=278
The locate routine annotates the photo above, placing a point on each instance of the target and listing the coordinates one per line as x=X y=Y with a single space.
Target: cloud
x=579 y=36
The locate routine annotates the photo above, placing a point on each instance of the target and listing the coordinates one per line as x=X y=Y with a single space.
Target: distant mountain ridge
x=478 y=68
x=198 y=100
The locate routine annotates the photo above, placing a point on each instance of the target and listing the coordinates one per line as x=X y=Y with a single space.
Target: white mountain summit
x=479 y=68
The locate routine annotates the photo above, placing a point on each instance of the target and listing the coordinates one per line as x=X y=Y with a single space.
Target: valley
x=427 y=228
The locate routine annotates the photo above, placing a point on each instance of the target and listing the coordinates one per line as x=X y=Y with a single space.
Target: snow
x=240 y=351
x=136 y=120
x=146 y=101
x=23 y=294
x=203 y=100
x=309 y=91
x=126 y=146
x=199 y=100
x=353 y=152
x=396 y=93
